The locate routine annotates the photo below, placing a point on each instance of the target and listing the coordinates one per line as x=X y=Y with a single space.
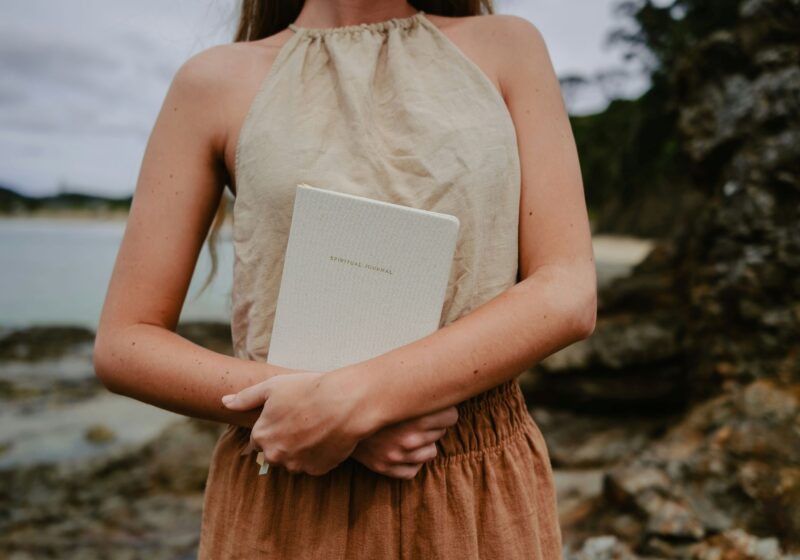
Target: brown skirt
x=488 y=494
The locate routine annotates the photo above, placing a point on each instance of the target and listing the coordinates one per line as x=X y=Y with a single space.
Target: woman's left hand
x=310 y=421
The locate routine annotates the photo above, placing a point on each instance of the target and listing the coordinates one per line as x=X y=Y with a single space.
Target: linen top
x=394 y=111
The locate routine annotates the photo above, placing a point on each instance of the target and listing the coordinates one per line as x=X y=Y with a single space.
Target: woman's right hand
x=401 y=449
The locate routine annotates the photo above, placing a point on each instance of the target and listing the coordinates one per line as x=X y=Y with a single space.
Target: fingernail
x=228 y=399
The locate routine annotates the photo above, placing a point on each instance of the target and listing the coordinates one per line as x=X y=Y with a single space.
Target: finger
x=413 y=440
x=440 y=419
x=249 y=398
x=404 y=471
x=421 y=455
x=422 y=439
x=437 y=434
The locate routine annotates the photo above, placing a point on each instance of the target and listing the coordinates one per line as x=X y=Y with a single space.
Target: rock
x=99 y=434
x=617 y=342
x=764 y=399
x=42 y=343
x=668 y=518
x=583 y=440
x=605 y=547
x=733 y=462
x=628 y=364
x=140 y=502
x=181 y=456
x=713 y=310
x=628 y=484
x=735 y=544
x=574 y=488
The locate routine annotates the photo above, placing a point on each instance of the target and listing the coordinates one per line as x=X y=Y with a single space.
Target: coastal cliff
x=686 y=399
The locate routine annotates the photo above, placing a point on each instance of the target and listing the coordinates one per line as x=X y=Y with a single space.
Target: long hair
x=262 y=18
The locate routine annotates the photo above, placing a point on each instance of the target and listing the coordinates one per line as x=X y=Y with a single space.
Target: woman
x=426 y=451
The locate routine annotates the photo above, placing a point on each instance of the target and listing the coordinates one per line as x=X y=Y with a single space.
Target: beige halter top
x=392 y=110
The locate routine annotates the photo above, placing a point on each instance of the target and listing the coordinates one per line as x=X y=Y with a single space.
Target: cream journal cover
x=360 y=277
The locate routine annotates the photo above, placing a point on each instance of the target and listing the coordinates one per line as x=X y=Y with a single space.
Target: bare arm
x=555 y=303
x=137 y=352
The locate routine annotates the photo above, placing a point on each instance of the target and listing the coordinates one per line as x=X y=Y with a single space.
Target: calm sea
x=57 y=272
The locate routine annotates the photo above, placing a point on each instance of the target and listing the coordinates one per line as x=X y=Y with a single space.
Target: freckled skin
x=137 y=352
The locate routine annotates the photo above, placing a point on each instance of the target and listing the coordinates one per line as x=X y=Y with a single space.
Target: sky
x=83 y=81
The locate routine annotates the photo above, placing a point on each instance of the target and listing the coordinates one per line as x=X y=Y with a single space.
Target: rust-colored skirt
x=488 y=494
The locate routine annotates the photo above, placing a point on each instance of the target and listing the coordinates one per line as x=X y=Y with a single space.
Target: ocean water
x=57 y=272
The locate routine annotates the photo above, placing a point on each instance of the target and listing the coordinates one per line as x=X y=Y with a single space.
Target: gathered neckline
x=375 y=26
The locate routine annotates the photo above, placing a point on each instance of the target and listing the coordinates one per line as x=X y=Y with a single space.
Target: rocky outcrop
x=706 y=332
x=112 y=496
x=139 y=502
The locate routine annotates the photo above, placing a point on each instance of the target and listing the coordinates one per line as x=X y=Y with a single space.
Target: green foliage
x=12 y=202
x=632 y=150
x=661 y=35
x=628 y=148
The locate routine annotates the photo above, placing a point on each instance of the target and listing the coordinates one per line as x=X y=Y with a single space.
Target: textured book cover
x=360 y=277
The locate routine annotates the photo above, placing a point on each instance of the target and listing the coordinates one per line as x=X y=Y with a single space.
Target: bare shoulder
x=524 y=38
x=203 y=74
x=499 y=42
x=515 y=27
x=494 y=31
x=519 y=47
x=201 y=90
x=216 y=70
x=217 y=84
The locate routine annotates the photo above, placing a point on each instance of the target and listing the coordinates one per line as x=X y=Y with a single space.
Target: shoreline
x=88 y=215
x=75 y=215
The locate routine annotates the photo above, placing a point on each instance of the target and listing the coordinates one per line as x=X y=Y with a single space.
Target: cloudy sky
x=83 y=80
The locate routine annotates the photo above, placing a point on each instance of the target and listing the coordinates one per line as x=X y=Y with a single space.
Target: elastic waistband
x=485 y=421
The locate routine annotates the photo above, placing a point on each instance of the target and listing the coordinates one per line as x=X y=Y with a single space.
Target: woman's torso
x=394 y=111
